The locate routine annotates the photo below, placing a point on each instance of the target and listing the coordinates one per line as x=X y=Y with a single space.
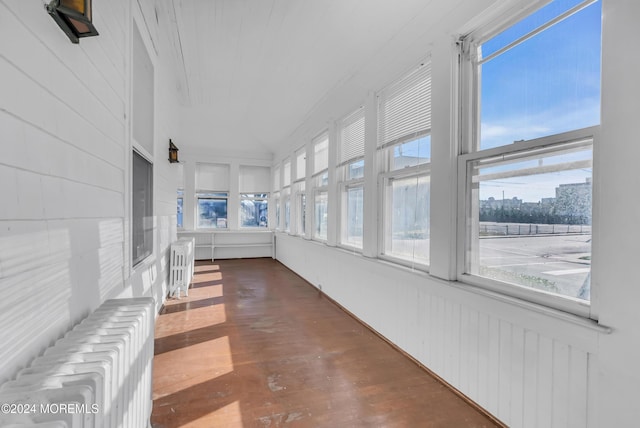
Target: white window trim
x=580 y=137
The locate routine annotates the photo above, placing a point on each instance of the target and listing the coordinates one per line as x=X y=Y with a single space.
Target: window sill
x=470 y=284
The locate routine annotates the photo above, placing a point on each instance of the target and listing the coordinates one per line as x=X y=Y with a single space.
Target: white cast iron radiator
x=98 y=375
x=181 y=266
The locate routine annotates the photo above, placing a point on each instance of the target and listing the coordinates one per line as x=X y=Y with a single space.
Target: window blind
x=286 y=179
x=254 y=179
x=212 y=177
x=351 y=136
x=180 y=172
x=276 y=178
x=301 y=163
x=404 y=107
x=320 y=153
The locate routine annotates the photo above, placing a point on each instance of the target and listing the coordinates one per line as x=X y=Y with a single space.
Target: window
x=142 y=209
x=299 y=196
x=276 y=198
x=321 y=198
x=404 y=145
x=212 y=210
x=351 y=171
x=180 y=208
x=254 y=197
x=180 y=197
x=212 y=194
x=320 y=182
x=254 y=210
x=286 y=197
x=529 y=168
x=301 y=208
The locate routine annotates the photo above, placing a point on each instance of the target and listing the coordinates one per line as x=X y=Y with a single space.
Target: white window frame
x=581 y=138
x=470 y=144
x=385 y=146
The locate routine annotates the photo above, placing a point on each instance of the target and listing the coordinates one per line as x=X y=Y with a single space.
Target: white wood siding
x=65 y=144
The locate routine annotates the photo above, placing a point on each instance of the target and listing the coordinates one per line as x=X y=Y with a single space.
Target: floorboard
x=254 y=345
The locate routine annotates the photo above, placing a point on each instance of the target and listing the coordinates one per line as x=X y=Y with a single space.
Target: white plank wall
x=526 y=370
x=64 y=171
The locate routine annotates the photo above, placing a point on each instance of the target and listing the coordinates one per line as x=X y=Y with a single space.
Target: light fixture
x=173 y=152
x=73 y=17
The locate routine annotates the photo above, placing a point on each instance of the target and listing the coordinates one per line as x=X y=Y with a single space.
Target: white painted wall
x=528 y=366
x=64 y=171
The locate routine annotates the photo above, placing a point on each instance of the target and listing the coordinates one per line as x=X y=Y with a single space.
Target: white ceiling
x=252 y=72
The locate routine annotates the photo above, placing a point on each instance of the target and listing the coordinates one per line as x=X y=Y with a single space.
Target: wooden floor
x=254 y=345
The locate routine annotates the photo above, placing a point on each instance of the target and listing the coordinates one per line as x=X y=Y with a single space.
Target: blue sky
x=546 y=85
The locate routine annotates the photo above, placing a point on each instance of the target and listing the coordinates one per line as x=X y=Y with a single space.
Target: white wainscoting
x=230 y=244
x=525 y=367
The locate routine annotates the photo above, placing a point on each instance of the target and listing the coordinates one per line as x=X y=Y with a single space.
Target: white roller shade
x=404 y=109
x=351 y=136
x=212 y=177
x=276 y=178
x=286 y=178
x=180 y=172
x=301 y=163
x=320 y=153
x=254 y=179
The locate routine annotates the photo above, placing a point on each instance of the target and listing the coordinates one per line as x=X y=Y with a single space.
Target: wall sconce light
x=173 y=152
x=73 y=17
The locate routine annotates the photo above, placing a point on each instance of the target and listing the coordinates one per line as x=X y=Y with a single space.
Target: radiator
x=181 y=266
x=98 y=375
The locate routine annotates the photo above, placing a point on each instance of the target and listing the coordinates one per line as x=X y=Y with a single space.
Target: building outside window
x=404 y=145
x=528 y=169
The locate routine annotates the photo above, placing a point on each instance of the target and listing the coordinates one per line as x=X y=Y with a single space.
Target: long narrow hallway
x=254 y=345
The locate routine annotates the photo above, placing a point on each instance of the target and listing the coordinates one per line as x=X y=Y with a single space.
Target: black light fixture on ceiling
x=73 y=17
x=173 y=152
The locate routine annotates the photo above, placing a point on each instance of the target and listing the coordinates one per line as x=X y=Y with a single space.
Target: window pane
x=302 y=217
x=277 y=199
x=180 y=207
x=212 y=213
x=546 y=85
x=320 y=230
x=532 y=221
x=142 y=209
x=254 y=210
x=355 y=170
x=408 y=224
x=412 y=153
x=354 y=224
